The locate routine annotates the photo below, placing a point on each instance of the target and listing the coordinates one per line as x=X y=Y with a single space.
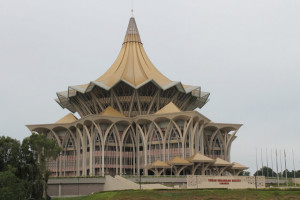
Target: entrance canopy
x=222 y=163
x=179 y=161
x=200 y=158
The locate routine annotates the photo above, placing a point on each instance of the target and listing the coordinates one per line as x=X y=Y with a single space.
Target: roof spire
x=132 y=16
x=132 y=8
x=132 y=33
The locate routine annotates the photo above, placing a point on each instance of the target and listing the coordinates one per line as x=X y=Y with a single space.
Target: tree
x=266 y=171
x=30 y=172
x=9 y=153
x=24 y=168
x=44 y=150
x=244 y=173
x=11 y=187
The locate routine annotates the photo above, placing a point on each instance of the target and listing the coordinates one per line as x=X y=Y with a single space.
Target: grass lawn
x=191 y=194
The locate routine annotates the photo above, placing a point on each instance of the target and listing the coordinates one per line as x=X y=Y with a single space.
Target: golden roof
x=178 y=161
x=134 y=68
x=169 y=108
x=69 y=118
x=221 y=162
x=198 y=157
x=238 y=166
x=132 y=64
x=158 y=164
x=110 y=111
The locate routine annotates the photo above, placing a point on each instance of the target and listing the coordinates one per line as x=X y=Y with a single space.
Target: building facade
x=134 y=120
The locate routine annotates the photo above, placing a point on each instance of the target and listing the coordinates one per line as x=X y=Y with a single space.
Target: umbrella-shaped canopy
x=221 y=163
x=200 y=158
x=158 y=164
x=238 y=166
x=179 y=161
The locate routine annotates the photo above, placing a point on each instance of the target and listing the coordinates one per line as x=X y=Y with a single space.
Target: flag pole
x=277 y=168
x=267 y=162
x=256 y=169
x=262 y=164
x=294 y=168
x=272 y=162
x=281 y=165
x=287 y=184
x=256 y=164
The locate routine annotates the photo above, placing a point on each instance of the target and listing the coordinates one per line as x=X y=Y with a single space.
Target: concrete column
x=197 y=139
x=145 y=158
x=91 y=159
x=164 y=150
x=78 y=153
x=183 y=147
x=84 y=148
x=60 y=165
x=59 y=190
x=137 y=147
x=121 y=159
x=201 y=139
x=102 y=162
x=225 y=147
x=88 y=136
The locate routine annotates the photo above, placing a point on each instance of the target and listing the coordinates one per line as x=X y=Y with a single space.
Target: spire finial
x=132 y=8
x=132 y=13
x=132 y=33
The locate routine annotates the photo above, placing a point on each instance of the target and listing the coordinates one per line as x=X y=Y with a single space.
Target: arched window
x=173 y=144
x=112 y=154
x=217 y=148
x=155 y=146
x=69 y=156
x=97 y=154
x=129 y=154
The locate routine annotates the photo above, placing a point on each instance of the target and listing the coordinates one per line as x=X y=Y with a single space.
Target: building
x=134 y=120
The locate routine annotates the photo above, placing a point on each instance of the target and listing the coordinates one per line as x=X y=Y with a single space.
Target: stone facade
x=232 y=182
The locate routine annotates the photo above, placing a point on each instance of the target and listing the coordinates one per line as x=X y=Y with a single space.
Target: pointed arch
x=112 y=150
x=155 y=145
x=97 y=139
x=68 y=157
x=217 y=148
x=173 y=143
x=129 y=152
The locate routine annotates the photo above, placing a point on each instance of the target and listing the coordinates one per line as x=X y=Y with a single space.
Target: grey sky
x=246 y=53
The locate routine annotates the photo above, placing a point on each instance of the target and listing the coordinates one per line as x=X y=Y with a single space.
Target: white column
x=78 y=153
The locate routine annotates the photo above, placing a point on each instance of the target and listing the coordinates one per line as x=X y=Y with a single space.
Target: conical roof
x=132 y=33
x=169 y=108
x=198 y=157
x=158 y=164
x=221 y=162
x=238 y=166
x=69 y=118
x=110 y=111
x=132 y=64
x=133 y=67
x=178 y=161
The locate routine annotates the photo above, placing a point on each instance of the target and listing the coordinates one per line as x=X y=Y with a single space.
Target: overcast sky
x=245 y=53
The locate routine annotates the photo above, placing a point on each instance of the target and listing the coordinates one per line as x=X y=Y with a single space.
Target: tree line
x=23 y=167
x=269 y=172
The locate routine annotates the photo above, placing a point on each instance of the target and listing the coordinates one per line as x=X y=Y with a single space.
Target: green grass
x=192 y=194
